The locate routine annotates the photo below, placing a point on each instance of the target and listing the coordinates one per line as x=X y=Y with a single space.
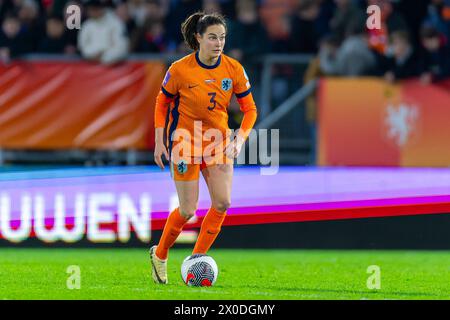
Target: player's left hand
x=233 y=148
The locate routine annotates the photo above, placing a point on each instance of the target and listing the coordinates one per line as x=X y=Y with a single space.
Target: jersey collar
x=206 y=66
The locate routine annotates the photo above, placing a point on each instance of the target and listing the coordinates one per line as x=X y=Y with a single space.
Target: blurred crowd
x=413 y=39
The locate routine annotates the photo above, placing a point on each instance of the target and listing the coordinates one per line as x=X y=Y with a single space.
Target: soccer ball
x=199 y=270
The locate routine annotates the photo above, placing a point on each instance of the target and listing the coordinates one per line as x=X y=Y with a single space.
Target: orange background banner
x=367 y=122
x=78 y=105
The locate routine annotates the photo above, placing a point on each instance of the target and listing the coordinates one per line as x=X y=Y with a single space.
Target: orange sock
x=211 y=226
x=174 y=224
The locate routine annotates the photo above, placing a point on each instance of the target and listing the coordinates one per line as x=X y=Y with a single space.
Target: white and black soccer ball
x=199 y=270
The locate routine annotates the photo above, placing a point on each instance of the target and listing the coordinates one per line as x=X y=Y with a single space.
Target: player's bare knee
x=188 y=213
x=222 y=205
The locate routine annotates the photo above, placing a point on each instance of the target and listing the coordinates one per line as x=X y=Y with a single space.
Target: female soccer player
x=198 y=89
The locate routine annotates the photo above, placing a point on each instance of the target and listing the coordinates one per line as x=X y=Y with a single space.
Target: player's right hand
x=160 y=150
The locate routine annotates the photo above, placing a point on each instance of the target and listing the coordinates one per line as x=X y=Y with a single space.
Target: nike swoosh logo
x=190 y=87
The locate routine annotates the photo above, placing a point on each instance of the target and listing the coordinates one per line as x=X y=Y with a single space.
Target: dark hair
x=94 y=4
x=356 y=27
x=55 y=16
x=197 y=23
x=12 y=14
x=427 y=32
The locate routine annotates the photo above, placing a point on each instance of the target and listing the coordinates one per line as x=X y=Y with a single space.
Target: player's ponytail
x=189 y=28
x=197 y=23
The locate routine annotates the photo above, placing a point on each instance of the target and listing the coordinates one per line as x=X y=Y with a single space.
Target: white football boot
x=159 y=267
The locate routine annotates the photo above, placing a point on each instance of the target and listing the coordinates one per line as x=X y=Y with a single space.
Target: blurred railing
x=269 y=61
x=282 y=101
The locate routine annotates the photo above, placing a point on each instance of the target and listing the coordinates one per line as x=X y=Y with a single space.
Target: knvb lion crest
x=226 y=84
x=401 y=122
x=182 y=167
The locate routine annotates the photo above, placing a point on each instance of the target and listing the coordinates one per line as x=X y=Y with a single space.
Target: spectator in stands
x=132 y=30
x=436 y=56
x=58 y=7
x=275 y=16
x=6 y=6
x=178 y=11
x=304 y=30
x=137 y=11
x=324 y=63
x=156 y=9
x=318 y=67
x=346 y=12
x=353 y=57
x=229 y=8
x=391 y=21
x=413 y=15
x=31 y=19
x=247 y=37
x=14 y=39
x=28 y=11
x=102 y=37
x=152 y=37
x=56 y=39
x=402 y=60
x=438 y=17
x=211 y=6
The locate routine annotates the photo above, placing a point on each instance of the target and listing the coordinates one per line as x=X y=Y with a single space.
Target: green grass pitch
x=244 y=274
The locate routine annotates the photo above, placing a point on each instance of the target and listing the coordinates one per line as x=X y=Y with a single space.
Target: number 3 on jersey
x=212 y=100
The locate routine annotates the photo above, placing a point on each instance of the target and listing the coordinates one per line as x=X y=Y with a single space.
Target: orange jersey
x=202 y=93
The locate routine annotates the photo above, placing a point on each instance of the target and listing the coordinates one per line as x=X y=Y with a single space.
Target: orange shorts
x=190 y=170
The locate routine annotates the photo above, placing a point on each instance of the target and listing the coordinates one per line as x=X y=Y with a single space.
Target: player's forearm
x=159 y=135
x=248 y=107
x=248 y=121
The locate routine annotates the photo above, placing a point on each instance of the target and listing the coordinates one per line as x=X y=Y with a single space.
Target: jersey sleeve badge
x=227 y=84
x=166 y=78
